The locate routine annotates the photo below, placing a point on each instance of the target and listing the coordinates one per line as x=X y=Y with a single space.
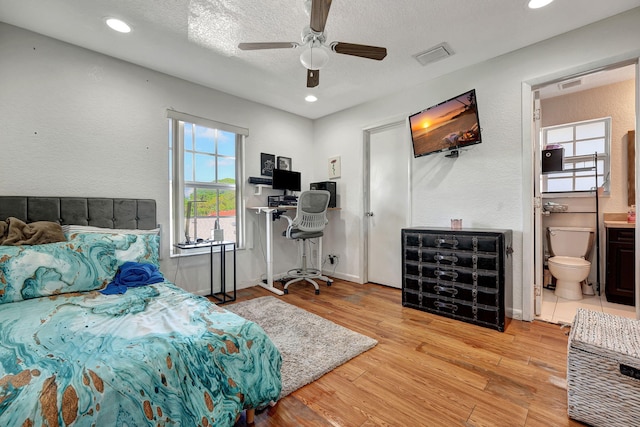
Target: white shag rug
x=310 y=345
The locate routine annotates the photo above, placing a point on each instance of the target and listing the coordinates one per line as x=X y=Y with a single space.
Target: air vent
x=434 y=54
x=569 y=84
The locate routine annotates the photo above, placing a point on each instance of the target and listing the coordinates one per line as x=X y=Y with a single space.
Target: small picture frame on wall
x=267 y=164
x=334 y=167
x=284 y=163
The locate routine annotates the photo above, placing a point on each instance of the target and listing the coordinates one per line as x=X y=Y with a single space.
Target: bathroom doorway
x=568 y=106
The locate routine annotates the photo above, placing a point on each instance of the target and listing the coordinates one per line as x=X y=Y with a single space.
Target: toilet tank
x=570 y=241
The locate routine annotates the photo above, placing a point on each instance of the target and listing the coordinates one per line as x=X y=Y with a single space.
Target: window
x=581 y=141
x=205 y=165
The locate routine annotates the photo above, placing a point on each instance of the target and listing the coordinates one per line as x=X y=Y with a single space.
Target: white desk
x=268 y=211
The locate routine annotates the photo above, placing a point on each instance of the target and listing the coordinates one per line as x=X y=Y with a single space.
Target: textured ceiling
x=197 y=40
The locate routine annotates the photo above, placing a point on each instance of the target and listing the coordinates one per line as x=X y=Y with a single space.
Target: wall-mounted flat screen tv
x=450 y=125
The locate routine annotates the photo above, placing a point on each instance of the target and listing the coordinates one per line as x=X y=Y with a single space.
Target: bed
x=154 y=355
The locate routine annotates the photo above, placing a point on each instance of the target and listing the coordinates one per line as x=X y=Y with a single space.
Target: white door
x=387 y=209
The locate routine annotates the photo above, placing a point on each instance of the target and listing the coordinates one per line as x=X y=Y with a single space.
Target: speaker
x=552 y=160
x=330 y=186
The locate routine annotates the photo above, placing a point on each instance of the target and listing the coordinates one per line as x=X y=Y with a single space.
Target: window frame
x=178 y=184
x=600 y=173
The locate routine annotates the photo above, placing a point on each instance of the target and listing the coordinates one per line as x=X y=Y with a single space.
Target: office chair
x=311 y=217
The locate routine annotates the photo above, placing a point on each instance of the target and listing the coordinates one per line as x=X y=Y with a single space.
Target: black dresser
x=461 y=274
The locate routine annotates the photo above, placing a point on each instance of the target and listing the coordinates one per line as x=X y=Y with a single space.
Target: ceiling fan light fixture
x=118 y=25
x=314 y=57
x=537 y=4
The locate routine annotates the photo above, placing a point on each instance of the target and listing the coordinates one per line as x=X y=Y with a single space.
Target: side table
x=222 y=296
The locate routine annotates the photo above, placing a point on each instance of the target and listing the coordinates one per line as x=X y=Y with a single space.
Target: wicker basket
x=603 y=370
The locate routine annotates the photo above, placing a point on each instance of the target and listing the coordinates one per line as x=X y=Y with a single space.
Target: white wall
x=77 y=123
x=485 y=185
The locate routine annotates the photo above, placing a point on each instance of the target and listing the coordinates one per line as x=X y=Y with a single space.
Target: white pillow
x=66 y=229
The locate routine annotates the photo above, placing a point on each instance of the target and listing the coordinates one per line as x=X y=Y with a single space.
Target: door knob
x=369 y=214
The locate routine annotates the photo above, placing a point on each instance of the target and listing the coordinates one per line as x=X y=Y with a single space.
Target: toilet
x=570 y=248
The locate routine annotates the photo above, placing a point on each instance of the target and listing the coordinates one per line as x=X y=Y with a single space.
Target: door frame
x=529 y=156
x=366 y=191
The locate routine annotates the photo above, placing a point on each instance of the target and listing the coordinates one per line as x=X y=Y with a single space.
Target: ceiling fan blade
x=268 y=45
x=319 y=13
x=361 y=50
x=313 y=78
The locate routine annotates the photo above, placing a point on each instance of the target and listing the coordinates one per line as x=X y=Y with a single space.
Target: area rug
x=310 y=345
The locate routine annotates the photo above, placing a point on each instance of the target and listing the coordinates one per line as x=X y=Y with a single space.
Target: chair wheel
x=286 y=291
x=329 y=283
x=317 y=291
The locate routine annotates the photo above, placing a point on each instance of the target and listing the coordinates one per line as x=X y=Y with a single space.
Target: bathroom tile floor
x=562 y=311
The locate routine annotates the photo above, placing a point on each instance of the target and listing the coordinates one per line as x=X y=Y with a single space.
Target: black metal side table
x=222 y=296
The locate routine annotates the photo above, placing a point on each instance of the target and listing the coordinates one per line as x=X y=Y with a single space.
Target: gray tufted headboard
x=97 y=212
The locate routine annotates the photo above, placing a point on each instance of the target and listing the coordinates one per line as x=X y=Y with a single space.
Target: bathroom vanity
x=620 y=267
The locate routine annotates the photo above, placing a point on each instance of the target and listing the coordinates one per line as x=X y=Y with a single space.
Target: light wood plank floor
x=427 y=370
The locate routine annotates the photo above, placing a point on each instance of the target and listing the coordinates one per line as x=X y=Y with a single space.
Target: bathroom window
x=581 y=141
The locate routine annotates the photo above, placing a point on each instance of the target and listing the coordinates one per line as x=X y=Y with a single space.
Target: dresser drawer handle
x=451 y=307
x=452 y=274
x=452 y=242
x=451 y=258
x=452 y=291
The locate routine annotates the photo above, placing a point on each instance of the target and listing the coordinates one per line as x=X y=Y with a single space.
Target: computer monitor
x=286 y=180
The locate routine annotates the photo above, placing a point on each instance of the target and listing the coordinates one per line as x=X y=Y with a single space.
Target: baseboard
x=342 y=276
x=513 y=314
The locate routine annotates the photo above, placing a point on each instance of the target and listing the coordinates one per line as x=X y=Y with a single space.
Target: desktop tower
x=330 y=186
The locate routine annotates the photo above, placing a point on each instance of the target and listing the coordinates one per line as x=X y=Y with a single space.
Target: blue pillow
x=142 y=248
x=55 y=268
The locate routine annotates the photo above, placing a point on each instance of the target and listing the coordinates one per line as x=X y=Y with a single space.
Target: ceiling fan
x=315 y=55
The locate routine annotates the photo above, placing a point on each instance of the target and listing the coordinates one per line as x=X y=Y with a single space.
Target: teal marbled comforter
x=156 y=355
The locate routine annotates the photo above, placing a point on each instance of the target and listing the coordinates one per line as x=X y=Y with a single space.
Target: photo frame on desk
x=284 y=163
x=267 y=164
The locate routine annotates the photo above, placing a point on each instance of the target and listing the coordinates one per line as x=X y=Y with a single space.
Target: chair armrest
x=289 y=227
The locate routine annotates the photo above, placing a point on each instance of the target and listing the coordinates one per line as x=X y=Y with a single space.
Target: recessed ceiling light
x=310 y=98
x=536 y=4
x=118 y=25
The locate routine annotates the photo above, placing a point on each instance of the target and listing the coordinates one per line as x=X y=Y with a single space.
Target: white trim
x=528 y=240
x=173 y=114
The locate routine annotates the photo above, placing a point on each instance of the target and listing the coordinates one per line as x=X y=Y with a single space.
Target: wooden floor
x=426 y=370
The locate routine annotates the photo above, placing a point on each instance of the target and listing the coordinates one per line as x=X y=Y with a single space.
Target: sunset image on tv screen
x=446 y=126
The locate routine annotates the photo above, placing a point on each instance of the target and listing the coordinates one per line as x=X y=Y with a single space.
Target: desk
x=268 y=211
x=221 y=296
